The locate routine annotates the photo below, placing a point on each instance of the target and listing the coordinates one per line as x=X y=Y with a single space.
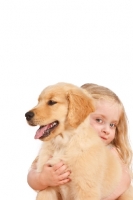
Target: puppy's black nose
x=29 y=115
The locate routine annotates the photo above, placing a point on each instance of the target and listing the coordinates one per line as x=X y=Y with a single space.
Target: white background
x=48 y=41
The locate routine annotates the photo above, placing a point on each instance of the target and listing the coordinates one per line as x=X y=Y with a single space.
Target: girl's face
x=105 y=119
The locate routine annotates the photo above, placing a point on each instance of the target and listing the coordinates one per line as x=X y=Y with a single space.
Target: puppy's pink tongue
x=40 y=132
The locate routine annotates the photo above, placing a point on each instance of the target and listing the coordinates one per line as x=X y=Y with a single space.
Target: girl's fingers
x=62 y=170
x=57 y=166
x=64 y=176
x=64 y=181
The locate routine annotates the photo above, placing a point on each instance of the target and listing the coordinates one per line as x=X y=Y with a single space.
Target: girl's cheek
x=97 y=128
x=98 y=132
x=91 y=122
x=94 y=125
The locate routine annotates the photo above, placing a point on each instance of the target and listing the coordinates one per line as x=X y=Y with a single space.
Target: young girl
x=110 y=122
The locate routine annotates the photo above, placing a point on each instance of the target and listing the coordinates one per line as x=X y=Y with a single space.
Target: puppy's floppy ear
x=80 y=106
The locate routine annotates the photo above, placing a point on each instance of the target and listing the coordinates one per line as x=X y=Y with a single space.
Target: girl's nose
x=105 y=130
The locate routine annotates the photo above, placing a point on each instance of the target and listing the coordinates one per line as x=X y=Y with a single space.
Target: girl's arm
x=125 y=181
x=49 y=176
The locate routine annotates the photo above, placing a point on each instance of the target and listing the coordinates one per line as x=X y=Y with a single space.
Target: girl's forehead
x=108 y=107
x=106 y=102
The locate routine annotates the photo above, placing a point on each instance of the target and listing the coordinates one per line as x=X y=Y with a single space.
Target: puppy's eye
x=51 y=102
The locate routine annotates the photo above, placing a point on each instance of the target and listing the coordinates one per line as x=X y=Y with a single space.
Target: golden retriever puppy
x=62 y=113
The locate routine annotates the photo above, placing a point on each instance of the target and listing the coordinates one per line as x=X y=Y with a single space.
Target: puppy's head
x=60 y=107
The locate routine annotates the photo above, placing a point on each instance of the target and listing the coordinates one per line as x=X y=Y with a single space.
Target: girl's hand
x=55 y=175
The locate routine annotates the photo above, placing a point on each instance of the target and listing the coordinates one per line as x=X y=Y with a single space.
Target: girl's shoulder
x=113 y=150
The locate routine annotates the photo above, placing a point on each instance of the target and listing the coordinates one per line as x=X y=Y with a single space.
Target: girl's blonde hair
x=121 y=141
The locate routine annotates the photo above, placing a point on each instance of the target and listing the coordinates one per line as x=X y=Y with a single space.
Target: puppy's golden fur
x=95 y=171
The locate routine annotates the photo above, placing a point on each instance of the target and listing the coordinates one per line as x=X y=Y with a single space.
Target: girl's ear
x=80 y=106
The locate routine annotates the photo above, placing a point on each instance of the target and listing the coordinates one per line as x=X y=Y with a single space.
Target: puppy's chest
x=52 y=152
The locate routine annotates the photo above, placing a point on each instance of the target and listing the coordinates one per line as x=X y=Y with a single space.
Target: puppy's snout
x=29 y=115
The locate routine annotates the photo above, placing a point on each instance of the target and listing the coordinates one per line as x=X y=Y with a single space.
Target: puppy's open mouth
x=44 y=131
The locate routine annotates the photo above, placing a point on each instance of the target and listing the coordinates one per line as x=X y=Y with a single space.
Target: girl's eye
x=99 y=120
x=112 y=125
